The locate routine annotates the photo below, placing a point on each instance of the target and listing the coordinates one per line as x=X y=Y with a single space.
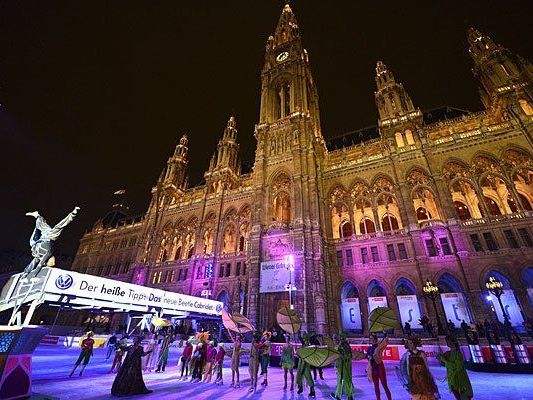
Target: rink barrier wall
x=391 y=352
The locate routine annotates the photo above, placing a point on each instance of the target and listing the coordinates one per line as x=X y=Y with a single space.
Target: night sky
x=95 y=95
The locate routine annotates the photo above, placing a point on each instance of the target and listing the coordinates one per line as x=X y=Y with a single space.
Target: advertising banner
x=455 y=308
x=351 y=314
x=274 y=276
x=374 y=302
x=409 y=311
x=81 y=288
x=512 y=309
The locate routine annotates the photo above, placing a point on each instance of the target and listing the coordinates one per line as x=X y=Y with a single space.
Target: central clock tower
x=287 y=182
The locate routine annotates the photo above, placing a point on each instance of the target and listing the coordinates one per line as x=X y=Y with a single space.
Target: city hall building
x=444 y=196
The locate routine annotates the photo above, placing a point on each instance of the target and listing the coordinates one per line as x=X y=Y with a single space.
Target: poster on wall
x=512 y=309
x=454 y=305
x=274 y=276
x=374 y=302
x=409 y=311
x=351 y=314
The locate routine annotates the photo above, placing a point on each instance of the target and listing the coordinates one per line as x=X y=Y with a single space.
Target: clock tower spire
x=287 y=176
x=287 y=83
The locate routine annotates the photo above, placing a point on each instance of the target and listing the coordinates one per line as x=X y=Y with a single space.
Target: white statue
x=41 y=241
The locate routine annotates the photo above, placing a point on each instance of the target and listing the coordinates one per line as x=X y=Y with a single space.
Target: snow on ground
x=52 y=364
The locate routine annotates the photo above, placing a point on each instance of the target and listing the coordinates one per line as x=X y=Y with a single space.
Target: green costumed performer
x=304 y=371
x=287 y=361
x=456 y=375
x=344 y=369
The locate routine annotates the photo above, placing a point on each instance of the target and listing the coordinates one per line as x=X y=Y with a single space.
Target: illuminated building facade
x=445 y=196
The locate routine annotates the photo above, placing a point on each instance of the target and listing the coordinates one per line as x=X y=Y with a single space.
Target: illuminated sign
x=275 y=276
x=82 y=289
x=351 y=314
x=409 y=311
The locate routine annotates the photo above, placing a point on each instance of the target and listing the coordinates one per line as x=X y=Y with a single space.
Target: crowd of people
x=202 y=360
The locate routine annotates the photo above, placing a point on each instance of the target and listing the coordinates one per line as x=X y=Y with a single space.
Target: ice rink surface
x=52 y=364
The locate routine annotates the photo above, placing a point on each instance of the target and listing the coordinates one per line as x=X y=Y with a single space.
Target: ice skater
x=304 y=371
x=266 y=346
x=253 y=363
x=86 y=353
x=287 y=361
x=120 y=350
x=376 y=369
x=163 y=354
x=129 y=380
x=415 y=373
x=343 y=369
x=456 y=375
x=185 y=360
x=235 y=359
x=210 y=356
x=219 y=361
x=111 y=342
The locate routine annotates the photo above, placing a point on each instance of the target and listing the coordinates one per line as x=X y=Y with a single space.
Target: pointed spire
x=287 y=29
x=230 y=132
x=182 y=149
x=392 y=99
x=384 y=76
x=481 y=45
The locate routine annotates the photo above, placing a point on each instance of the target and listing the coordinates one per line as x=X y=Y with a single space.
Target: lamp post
x=495 y=287
x=289 y=262
x=432 y=291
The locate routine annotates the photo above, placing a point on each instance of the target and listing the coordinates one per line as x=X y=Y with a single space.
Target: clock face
x=282 y=56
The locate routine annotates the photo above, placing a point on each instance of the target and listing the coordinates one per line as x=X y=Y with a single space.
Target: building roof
x=431 y=116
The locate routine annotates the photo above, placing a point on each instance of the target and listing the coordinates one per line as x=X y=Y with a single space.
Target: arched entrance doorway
x=453 y=300
x=528 y=283
x=224 y=298
x=377 y=296
x=508 y=299
x=408 y=307
x=350 y=309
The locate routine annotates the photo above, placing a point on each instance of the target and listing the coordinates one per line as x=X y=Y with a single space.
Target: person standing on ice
x=219 y=361
x=456 y=374
x=287 y=361
x=129 y=380
x=344 y=369
x=87 y=345
x=304 y=371
x=376 y=369
x=235 y=359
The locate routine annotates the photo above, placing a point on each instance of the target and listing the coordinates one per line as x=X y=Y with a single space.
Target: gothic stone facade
x=446 y=200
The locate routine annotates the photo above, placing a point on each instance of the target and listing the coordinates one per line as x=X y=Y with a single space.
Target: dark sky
x=95 y=95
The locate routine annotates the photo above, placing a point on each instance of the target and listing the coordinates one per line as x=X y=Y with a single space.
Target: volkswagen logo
x=64 y=281
x=219 y=307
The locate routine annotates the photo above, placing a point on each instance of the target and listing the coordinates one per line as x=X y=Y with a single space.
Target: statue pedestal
x=16 y=349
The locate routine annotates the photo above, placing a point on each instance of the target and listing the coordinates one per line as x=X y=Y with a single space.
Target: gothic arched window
x=228 y=244
x=367 y=226
x=281 y=208
x=462 y=210
x=281 y=201
x=389 y=223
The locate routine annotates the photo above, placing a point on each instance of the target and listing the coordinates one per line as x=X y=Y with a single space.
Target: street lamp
x=289 y=262
x=495 y=287
x=432 y=291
